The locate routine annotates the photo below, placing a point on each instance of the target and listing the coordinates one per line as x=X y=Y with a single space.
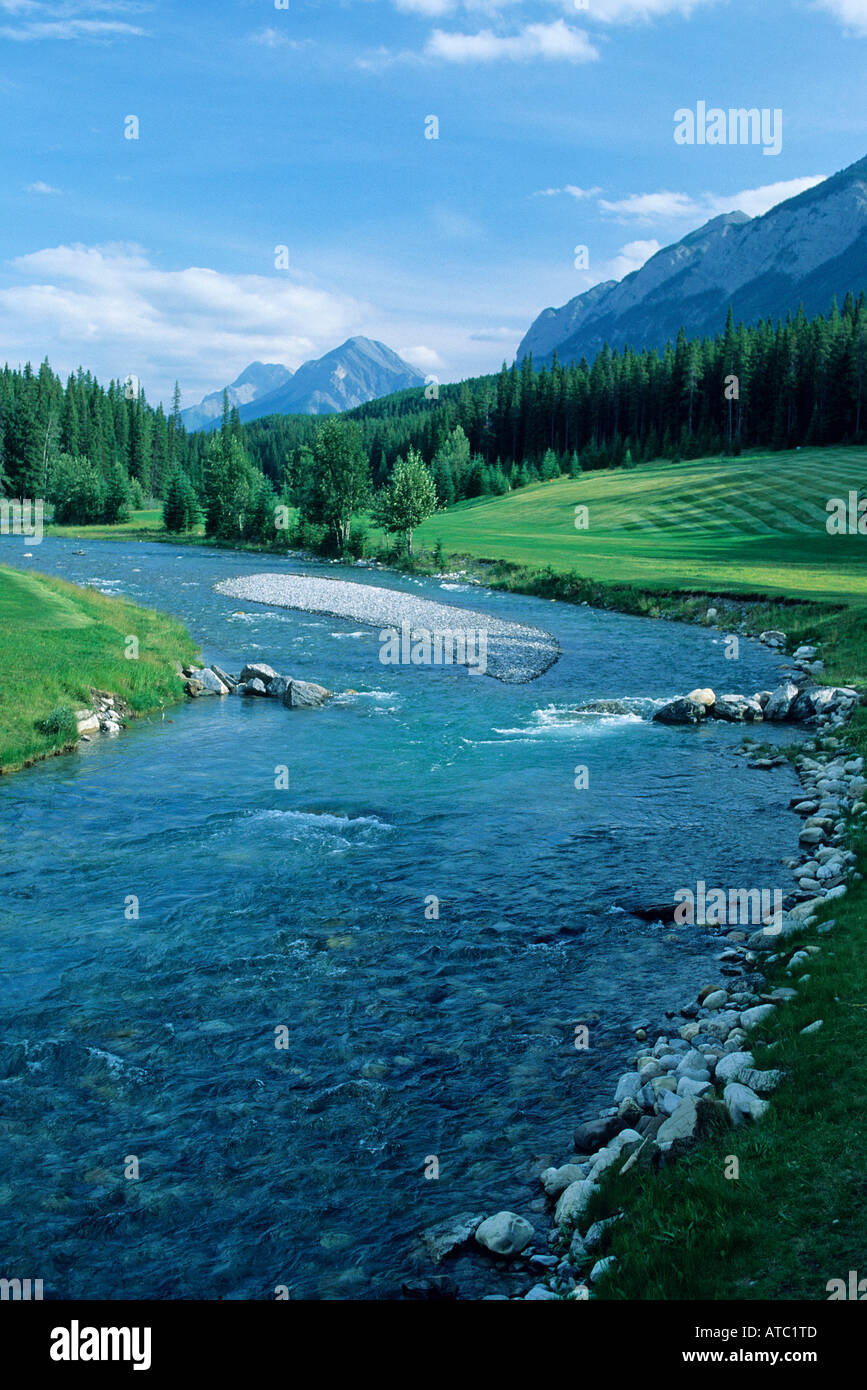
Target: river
x=309 y=909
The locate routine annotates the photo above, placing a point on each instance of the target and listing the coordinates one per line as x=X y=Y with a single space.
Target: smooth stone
x=556 y=1180
x=729 y=1066
x=742 y=1103
x=573 y=1202
x=505 y=1233
x=750 y=1018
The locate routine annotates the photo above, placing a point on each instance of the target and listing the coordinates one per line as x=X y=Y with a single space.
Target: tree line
x=97 y=452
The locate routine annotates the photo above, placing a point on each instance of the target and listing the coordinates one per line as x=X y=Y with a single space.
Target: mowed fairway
x=750 y=524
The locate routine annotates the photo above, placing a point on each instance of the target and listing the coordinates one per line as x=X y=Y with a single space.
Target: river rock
x=812 y=835
x=556 y=1180
x=687 y=1087
x=681 y=711
x=703 y=696
x=682 y=1125
x=540 y=1293
x=257 y=670
x=256 y=687
x=228 y=681
x=598 y=1229
x=628 y=1085
x=751 y=1018
x=729 y=1067
x=722 y=1024
x=737 y=709
x=305 y=695
x=589 y=1136
x=715 y=999
x=87 y=722
x=573 y=1202
x=505 y=1233
x=211 y=683
x=742 y=1103
x=761 y=1081
x=773 y=637
x=445 y=1236
x=781 y=701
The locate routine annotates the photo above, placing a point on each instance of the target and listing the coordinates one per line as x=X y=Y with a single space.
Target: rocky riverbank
x=699 y=1075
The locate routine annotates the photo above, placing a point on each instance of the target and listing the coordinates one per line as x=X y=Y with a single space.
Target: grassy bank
x=796 y=1215
x=56 y=642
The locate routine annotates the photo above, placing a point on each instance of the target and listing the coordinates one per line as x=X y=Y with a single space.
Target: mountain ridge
x=803 y=250
x=359 y=370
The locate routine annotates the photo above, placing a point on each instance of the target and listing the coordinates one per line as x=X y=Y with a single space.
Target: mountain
x=259 y=379
x=359 y=370
x=805 y=250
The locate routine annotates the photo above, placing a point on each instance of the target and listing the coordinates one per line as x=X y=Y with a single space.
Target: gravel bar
x=514 y=653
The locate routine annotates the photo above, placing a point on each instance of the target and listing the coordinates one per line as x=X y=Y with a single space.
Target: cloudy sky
x=303 y=125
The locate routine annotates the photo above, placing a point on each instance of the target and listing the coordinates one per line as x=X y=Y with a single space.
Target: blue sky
x=304 y=127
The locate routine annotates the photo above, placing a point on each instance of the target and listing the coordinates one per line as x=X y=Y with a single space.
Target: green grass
x=754 y=523
x=56 y=642
x=142 y=526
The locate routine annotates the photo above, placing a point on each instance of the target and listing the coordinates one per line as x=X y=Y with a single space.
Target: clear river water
x=409 y=1035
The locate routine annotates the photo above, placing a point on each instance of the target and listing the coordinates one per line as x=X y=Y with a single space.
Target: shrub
x=60 y=723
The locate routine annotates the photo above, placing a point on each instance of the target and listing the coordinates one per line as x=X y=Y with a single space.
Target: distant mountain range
x=804 y=250
x=359 y=370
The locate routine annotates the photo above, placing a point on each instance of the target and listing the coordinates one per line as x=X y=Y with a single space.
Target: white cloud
x=572 y=189
x=425 y=358
x=851 y=13
x=112 y=309
x=631 y=257
x=40 y=187
x=70 y=19
x=595 y=11
x=650 y=207
x=497 y=335
x=636 y=11
x=275 y=38
x=554 y=42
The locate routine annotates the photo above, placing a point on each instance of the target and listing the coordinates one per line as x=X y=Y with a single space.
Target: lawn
x=752 y=523
x=57 y=641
